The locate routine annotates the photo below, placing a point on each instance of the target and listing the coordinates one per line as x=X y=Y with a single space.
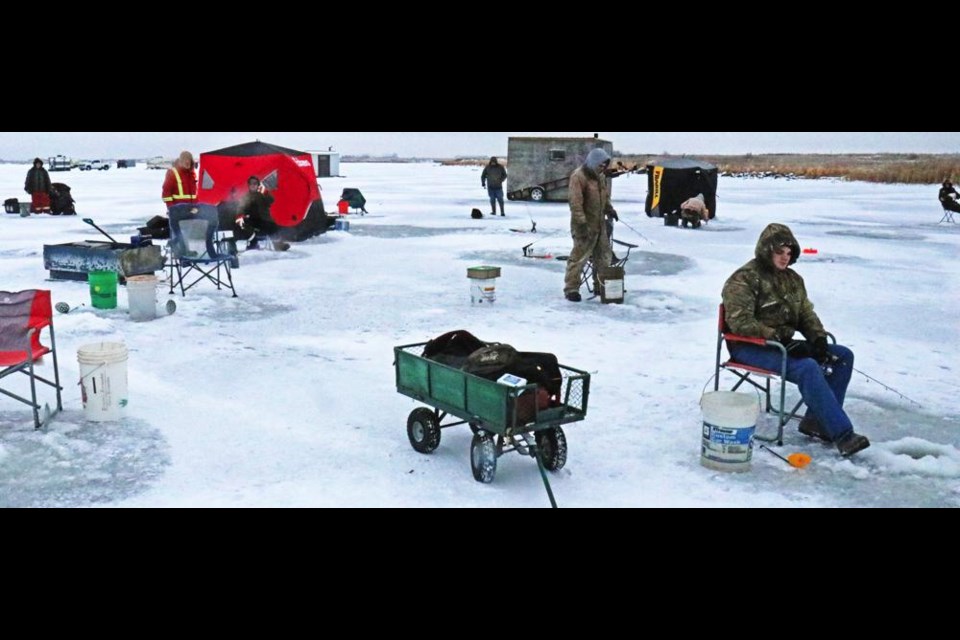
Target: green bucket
x=103 y=289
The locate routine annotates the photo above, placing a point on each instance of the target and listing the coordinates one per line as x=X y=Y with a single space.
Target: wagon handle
x=543 y=474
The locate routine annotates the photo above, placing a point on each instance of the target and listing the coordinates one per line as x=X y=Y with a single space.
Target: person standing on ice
x=590 y=210
x=38 y=186
x=767 y=299
x=492 y=179
x=180 y=183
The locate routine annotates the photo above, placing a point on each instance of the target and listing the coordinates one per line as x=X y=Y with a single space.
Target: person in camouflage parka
x=767 y=299
x=765 y=302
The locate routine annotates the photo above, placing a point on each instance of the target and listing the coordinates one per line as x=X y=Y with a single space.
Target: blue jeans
x=823 y=394
x=496 y=195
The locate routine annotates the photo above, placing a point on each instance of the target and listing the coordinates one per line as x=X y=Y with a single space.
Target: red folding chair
x=746 y=374
x=23 y=315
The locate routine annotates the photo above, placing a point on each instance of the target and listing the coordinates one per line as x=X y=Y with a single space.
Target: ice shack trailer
x=540 y=168
x=326 y=164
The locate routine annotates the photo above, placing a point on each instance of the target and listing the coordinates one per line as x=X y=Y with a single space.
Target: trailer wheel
x=423 y=430
x=483 y=458
x=553 y=448
x=537 y=194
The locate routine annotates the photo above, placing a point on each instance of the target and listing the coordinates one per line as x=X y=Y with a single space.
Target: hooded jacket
x=493 y=176
x=38 y=180
x=590 y=193
x=762 y=302
x=947 y=193
x=696 y=205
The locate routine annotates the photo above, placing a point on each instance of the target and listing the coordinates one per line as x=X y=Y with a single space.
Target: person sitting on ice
x=253 y=216
x=767 y=299
x=948 y=196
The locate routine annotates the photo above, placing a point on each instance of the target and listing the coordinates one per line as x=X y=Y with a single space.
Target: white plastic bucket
x=142 y=298
x=483 y=291
x=729 y=424
x=103 y=380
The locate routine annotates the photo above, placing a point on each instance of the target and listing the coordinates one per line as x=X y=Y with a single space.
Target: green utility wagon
x=503 y=418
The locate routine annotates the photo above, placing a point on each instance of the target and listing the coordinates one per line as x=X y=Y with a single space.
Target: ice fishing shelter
x=673 y=181
x=540 y=168
x=287 y=173
x=326 y=164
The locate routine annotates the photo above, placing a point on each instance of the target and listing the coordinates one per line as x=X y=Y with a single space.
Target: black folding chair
x=589 y=269
x=947 y=216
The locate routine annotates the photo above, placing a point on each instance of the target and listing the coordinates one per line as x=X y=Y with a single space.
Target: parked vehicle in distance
x=59 y=163
x=96 y=165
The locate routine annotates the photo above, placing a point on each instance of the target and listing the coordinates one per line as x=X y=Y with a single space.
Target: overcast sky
x=92 y=145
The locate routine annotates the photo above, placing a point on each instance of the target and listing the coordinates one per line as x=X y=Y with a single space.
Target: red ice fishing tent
x=288 y=175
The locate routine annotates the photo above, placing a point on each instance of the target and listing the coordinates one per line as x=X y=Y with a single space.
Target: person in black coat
x=253 y=216
x=948 y=197
x=38 y=186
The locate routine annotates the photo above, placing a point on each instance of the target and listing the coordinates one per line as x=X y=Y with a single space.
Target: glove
x=820 y=352
x=800 y=349
x=615 y=217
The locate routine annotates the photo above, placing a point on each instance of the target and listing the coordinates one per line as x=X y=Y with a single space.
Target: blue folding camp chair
x=195 y=251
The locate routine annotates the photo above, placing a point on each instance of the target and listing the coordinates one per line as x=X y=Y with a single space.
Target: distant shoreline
x=886 y=168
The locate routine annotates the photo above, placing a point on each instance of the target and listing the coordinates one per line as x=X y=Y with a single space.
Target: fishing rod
x=887 y=387
x=621 y=221
x=533 y=229
x=835 y=360
x=526 y=249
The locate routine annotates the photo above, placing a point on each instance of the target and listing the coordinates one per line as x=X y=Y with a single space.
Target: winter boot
x=810 y=427
x=574 y=296
x=851 y=444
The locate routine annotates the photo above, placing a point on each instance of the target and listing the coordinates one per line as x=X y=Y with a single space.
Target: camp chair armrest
x=732 y=337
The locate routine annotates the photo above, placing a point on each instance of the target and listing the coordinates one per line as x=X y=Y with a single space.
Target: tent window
x=271 y=181
x=206 y=182
x=558 y=155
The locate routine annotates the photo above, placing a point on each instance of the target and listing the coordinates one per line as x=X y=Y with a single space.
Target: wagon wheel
x=423 y=429
x=483 y=458
x=553 y=448
x=537 y=194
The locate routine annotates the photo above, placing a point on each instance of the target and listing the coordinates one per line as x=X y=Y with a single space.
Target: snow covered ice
x=286 y=395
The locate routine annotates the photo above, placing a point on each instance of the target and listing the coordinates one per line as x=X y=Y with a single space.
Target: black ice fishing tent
x=672 y=181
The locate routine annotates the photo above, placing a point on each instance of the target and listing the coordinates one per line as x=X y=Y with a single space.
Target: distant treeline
x=913 y=168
